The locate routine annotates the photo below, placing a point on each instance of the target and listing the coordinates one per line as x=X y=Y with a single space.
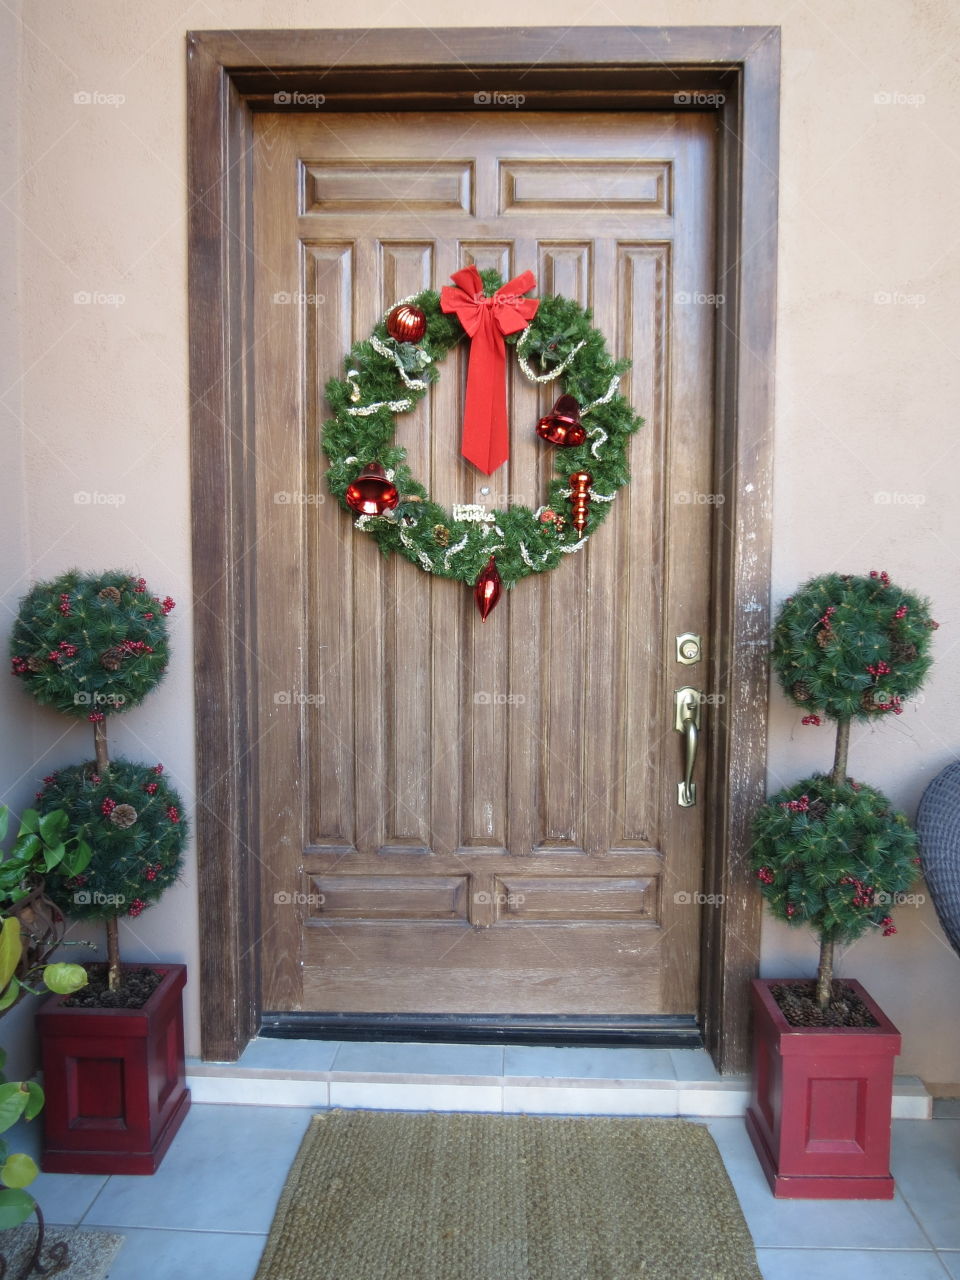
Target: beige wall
x=867 y=389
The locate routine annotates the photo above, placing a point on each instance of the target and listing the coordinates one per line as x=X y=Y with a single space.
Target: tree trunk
x=838 y=777
x=113 y=929
x=825 y=972
x=113 y=953
x=839 y=774
x=100 y=743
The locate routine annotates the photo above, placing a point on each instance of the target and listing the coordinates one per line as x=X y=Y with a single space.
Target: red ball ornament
x=371 y=494
x=406 y=323
x=562 y=424
x=488 y=589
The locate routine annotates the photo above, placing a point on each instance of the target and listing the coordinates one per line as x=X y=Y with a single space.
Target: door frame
x=733 y=71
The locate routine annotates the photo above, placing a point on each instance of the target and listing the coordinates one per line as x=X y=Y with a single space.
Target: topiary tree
x=92 y=646
x=831 y=853
x=133 y=821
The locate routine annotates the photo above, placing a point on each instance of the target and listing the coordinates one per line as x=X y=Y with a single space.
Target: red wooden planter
x=114 y=1081
x=819 y=1114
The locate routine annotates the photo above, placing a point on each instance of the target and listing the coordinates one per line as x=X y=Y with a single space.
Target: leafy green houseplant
x=830 y=853
x=32 y=925
x=18 y=1099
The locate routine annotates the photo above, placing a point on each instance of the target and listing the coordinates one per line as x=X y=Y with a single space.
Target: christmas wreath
x=389 y=372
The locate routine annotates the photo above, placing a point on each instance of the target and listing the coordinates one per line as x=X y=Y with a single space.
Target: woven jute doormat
x=378 y=1195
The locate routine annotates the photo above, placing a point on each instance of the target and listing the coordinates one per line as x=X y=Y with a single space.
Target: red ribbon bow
x=486 y=438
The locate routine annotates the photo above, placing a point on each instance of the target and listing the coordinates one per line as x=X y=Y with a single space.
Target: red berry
x=108 y=807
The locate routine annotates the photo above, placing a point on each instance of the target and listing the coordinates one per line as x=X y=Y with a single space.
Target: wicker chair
x=938 y=825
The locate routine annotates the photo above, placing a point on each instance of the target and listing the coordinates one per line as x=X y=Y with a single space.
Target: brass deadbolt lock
x=688 y=649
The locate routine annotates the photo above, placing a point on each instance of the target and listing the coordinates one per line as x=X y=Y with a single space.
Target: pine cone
x=824 y=636
x=801 y=691
x=124 y=815
x=111 y=594
x=111 y=659
x=441 y=535
x=904 y=652
x=818 y=809
x=34 y=663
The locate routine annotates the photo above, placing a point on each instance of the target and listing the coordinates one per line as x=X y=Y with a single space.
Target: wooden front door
x=456 y=817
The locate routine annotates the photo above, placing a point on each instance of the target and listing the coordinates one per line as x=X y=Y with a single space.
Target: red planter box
x=114 y=1081
x=819 y=1115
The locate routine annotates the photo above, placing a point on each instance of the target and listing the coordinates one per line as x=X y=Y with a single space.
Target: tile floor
x=206 y=1212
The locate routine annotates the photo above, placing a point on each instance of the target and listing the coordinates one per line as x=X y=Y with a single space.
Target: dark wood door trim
x=733 y=71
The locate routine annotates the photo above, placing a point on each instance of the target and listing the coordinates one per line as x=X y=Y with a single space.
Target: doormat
x=374 y=1195
x=90 y=1254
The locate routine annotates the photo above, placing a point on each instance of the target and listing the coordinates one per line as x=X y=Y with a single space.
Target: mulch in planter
x=797 y=1002
x=136 y=988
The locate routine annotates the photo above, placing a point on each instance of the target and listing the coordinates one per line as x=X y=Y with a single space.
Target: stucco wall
x=866 y=369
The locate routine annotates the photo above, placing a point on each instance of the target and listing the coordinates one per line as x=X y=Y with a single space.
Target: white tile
x=848 y=1264
x=567 y=1100
x=395 y=1096
x=926 y=1165
x=694 y=1064
x=952 y=1263
x=720 y=1100
x=63 y=1197
x=546 y=1062
x=364 y=1057
x=224 y=1172
x=179 y=1255
x=258 y=1091
x=291 y=1055
x=860 y=1224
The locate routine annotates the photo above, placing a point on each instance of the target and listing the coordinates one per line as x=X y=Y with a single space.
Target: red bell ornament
x=488 y=589
x=562 y=424
x=371 y=494
x=406 y=323
x=580 y=482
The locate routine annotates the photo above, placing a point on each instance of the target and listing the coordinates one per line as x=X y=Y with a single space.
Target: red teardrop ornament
x=562 y=424
x=372 y=493
x=488 y=589
x=406 y=323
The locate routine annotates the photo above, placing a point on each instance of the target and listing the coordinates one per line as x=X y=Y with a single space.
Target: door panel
x=462 y=817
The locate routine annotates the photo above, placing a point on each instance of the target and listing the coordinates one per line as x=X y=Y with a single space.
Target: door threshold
x=675 y=1031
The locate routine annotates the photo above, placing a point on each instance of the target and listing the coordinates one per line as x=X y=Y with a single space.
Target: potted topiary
x=113 y=1056
x=831 y=854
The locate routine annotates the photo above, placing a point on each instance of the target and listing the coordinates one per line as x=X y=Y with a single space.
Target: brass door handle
x=687 y=704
